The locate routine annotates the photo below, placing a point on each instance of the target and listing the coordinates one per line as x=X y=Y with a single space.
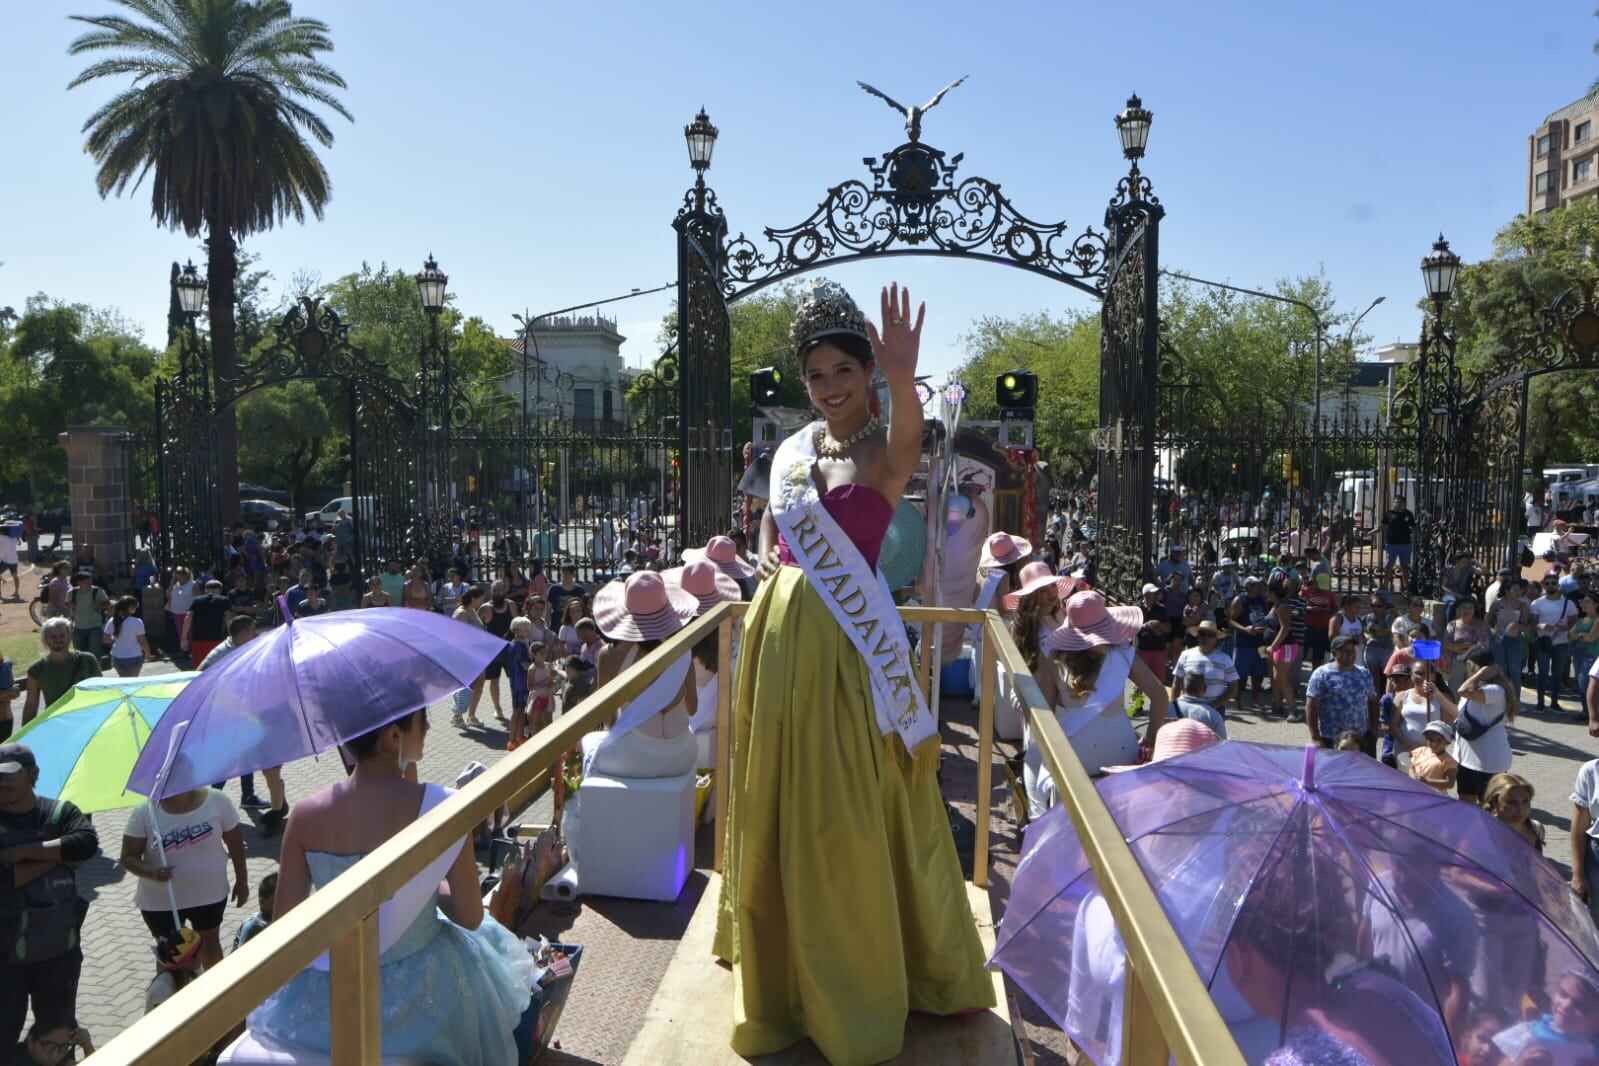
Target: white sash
x=985 y=600
x=858 y=598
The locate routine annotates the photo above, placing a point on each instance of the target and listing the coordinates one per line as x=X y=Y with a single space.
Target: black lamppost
x=1437 y=397
x=701 y=138
x=433 y=420
x=1132 y=125
x=191 y=297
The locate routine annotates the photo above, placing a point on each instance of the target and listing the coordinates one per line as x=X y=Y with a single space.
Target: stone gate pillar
x=97 y=484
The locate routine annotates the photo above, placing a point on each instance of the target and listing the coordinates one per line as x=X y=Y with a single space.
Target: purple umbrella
x=1338 y=911
x=304 y=688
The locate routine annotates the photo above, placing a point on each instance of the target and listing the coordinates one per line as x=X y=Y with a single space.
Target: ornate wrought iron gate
x=911 y=202
x=311 y=343
x=1128 y=436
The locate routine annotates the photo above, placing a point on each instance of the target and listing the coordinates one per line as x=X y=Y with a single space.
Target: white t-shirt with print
x=194 y=850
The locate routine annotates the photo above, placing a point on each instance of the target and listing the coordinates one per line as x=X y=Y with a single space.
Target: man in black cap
x=41 y=840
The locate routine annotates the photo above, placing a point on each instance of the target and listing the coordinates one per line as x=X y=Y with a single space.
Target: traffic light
x=1016 y=391
x=766 y=386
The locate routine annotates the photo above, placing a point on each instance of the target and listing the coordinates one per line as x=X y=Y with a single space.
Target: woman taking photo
x=842 y=905
x=1414 y=705
x=1482 y=743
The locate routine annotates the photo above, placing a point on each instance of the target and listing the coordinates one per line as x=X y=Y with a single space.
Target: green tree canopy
x=1496 y=308
x=63 y=365
x=1063 y=351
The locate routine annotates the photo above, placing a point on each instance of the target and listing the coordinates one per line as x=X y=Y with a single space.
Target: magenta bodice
x=863 y=515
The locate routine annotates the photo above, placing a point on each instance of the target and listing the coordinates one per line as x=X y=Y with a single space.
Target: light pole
x=433 y=417
x=1349 y=338
x=1321 y=330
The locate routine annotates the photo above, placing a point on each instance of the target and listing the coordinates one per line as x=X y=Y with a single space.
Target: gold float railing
x=1168 y=1006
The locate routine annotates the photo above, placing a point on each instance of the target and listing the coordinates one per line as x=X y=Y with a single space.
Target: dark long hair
x=126 y=605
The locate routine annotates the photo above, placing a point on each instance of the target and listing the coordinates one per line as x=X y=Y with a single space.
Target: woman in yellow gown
x=842 y=900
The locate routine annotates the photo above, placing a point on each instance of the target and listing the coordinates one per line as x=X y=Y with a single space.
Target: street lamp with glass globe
x=431 y=282
x=1133 y=127
x=191 y=291
x=1439 y=269
x=701 y=138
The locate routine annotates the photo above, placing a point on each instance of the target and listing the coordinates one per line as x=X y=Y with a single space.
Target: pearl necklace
x=830 y=449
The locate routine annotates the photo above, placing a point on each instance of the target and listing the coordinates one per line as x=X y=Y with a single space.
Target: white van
x=329 y=512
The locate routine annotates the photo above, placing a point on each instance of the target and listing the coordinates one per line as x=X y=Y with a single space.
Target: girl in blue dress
x=455 y=982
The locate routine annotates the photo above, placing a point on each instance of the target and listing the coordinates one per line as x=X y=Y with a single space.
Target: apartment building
x=1561 y=157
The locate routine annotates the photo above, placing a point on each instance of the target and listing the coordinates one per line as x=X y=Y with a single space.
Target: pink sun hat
x=1177 y=737
x=1090 y=624
x=1002 y=549
x=702 y=580
x=1037 y=575
x=644 y=607
x=724 y=553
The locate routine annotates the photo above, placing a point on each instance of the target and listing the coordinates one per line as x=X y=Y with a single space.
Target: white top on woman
x=180 y=597
x=1415 y=712
x=1489 y=753
x=125 y=645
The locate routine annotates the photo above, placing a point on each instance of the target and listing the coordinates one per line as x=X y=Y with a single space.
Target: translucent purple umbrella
x=305 y=687
x=1338 y=911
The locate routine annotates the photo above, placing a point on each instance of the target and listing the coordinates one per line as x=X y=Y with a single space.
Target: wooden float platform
x=691 y=1016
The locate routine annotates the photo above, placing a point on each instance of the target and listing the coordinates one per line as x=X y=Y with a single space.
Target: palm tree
x=218 y=117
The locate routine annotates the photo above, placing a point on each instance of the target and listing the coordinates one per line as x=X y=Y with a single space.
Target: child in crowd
x=451 y=591
x=1567 y=1036
x=1196 y=611
x=1348 y=740
x=1432 y=764
x=264 y=896
x=541 y=685
x=1479 y=1047
x=579 y=681
x=518 y=659
x=1509 y=798
x=588 y=634
x=177 y=954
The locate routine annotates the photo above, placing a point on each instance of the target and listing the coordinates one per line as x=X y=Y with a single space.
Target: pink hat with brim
x=1091 y=624
x=724 y=553
x=1175 y=738
x=1035 y=576
x=644 y=607
x=1002 y=549
x=702 y=580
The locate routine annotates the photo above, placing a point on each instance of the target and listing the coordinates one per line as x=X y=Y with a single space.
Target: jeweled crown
x=825 y=308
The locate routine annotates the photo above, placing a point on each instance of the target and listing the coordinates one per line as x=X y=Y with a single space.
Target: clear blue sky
x=537 y=149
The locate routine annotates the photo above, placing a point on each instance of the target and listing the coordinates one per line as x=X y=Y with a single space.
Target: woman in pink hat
x=635 y=615
x=1093 y=650
x=842 y=903
x=1038 y=607
x=709 y=586
x=999 y=570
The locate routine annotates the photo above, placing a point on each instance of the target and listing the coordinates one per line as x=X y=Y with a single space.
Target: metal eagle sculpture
x=913 y=115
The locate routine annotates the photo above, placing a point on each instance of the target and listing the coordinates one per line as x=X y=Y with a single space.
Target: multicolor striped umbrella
x=87 y=741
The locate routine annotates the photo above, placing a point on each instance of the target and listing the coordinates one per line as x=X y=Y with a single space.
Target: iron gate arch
x=310 y=342
x=1478 y=419
x=913 y=201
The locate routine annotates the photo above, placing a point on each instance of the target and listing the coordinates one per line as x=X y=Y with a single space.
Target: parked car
x=329 y=512
x=260 y=512
x=261 y=492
